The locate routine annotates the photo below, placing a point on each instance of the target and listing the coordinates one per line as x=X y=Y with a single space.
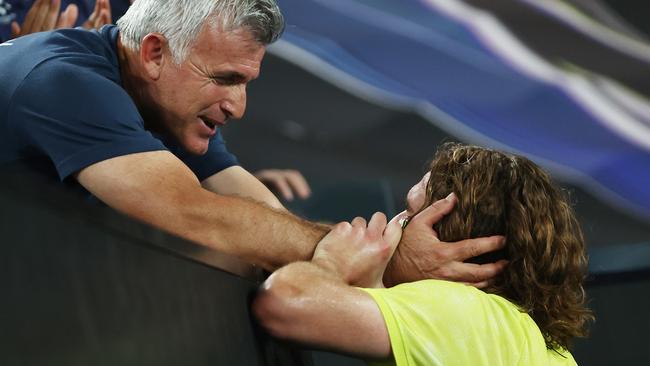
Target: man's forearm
x=250 y=230
x=157 y=188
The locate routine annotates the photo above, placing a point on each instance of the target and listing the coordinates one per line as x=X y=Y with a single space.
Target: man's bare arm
x=159 y=189
x=236 y=181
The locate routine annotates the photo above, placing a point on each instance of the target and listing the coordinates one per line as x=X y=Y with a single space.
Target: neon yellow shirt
x=440 y=323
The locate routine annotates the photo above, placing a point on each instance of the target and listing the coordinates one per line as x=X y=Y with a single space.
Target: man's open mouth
x=211 y=124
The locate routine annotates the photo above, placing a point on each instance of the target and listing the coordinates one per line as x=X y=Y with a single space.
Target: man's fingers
x=470 y=248
x=52 y=15
x=479 y=285
x=474 y=273
x=436 y=211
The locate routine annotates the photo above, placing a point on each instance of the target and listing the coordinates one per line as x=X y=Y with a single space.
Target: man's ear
x=153 y=53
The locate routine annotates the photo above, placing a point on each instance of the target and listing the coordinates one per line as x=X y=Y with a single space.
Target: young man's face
x=209 y=87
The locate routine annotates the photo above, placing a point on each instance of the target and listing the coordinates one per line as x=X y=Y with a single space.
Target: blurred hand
x=44 y=16
x=358 y=253
x=285 y=182
x=100 y=16
x=422 y=255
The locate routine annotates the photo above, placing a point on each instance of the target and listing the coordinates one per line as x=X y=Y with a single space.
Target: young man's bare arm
x=315 y=303
x=308 y=304
x=159 y=189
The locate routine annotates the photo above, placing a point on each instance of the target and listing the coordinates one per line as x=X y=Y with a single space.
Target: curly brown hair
x=501 y=194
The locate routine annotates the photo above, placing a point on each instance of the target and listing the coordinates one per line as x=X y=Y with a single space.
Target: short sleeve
x=76 y=113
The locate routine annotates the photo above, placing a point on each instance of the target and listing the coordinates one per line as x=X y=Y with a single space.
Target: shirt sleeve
x=78 y=115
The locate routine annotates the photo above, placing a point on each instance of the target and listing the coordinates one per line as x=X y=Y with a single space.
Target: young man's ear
x=153 y=53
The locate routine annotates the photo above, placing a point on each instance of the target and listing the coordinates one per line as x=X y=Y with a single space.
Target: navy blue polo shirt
x=63 y=108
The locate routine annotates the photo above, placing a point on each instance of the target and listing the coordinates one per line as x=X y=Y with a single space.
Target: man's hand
x=358 y=253
x=421 y=254
x=285 y=182
x=44 y=16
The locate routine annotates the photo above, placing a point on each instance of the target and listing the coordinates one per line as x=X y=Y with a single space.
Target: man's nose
x=234 y=105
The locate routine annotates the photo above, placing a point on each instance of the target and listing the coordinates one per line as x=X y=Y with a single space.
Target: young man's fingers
x=470 y=248
x=436 y=211
x=52 y=15
x=393 y=232
x=377 y=224
x=359 y=222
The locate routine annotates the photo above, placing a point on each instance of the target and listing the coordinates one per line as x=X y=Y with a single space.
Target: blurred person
x=288 y=183
x=22 y=17
x=527 y=315
x=132 y=113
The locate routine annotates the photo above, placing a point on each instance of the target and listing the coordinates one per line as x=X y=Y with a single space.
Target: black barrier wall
x=83 y=285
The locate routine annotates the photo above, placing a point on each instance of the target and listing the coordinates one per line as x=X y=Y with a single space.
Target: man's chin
x=197 y=147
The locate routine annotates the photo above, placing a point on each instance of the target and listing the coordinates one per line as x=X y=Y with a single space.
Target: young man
x=528 y=315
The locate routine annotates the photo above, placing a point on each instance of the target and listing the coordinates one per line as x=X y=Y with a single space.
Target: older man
x=132 y=112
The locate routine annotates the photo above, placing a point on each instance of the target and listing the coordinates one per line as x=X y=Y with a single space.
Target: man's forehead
x=234 y=52
x=240 y=39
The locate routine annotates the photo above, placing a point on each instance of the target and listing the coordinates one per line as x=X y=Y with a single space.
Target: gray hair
x=181 y=21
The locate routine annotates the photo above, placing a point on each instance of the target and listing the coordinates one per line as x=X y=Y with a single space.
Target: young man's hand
x=422 y=255
x=358 y=252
